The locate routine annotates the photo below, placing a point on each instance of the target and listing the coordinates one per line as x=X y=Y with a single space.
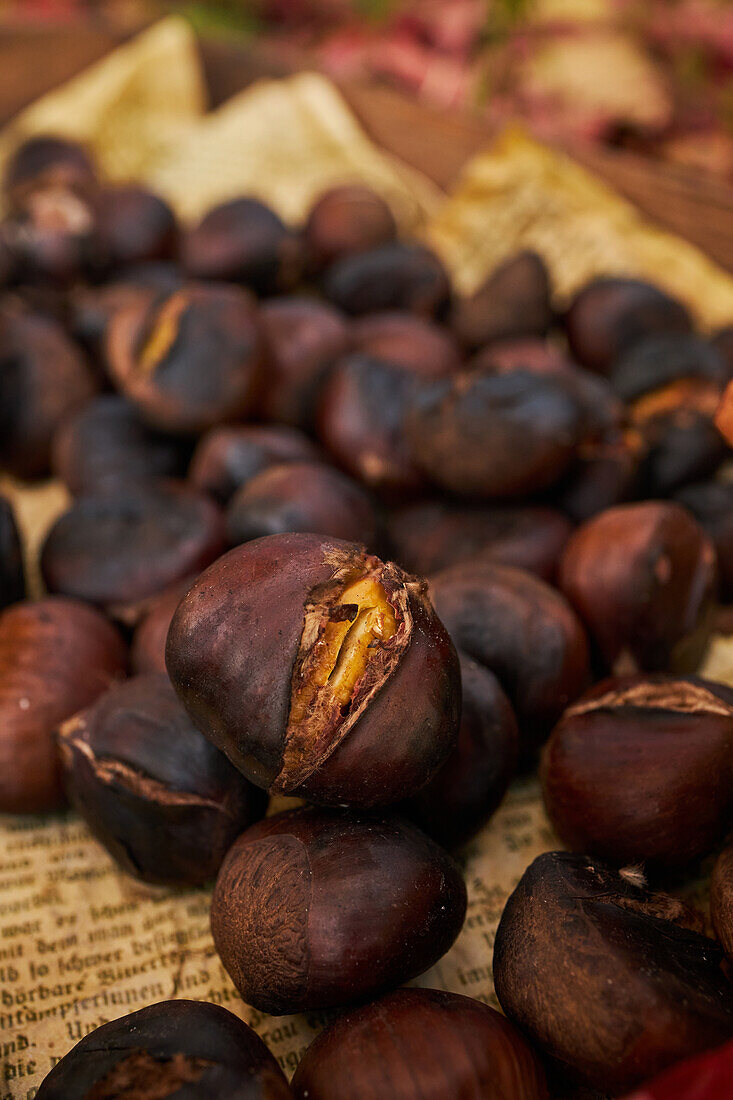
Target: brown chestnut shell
x=398 y=275
x=721 y=900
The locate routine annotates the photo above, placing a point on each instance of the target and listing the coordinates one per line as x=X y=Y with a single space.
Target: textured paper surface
x=80 y=942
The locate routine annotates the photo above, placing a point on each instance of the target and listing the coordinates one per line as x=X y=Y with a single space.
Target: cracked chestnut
x=12 y=573
x=399 y=275
x=161 y=798
x=643 y=578
x=56 y=656
x=172 y=1048
x=318 y=908
x=301 y=496
x=637 y=770
x=345 y=220
x=228 y=456
x=420 y=1044
x=721 y=900
x=514 y=301
x=613 y=981
x=301 y=656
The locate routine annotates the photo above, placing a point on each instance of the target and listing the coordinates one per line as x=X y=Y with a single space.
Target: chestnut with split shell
x=613 y=981
x=321 y=671
x=318 y=908
x=420 y=1044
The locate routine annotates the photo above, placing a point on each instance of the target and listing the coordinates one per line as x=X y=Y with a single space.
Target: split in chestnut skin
x=613 y=981
x=721 y=900
x=171 y=1048
x=420 y=1044
x=293 y=939
x=161 y=798
x=12 y=572
x=638 y=771
x=320 y=671
x=302 y=496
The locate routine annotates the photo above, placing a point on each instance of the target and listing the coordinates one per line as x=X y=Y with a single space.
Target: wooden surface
x=35 y=59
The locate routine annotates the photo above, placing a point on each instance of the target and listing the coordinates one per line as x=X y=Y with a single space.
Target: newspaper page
x=82 y=943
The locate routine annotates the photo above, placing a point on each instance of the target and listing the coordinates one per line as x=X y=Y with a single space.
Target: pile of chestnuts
x=339 y=533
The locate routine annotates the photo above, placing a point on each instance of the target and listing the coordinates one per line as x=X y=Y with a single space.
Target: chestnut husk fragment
x=643 y=578
x=248 y=638
x=513 y=301
x=319 y=908
x=12 y=572
x=161 y=798
x=522 y=630
x=721 y=900
x=637 y=769
x=301 y=496
x=172 y=1048
x=56 y=656
x=399 y=275
x=119 y=549
x=460 y=799
x=608 y=978
x=420 y=1044
x=228 y=456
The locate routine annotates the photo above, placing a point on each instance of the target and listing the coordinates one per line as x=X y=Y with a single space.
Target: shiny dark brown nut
x=682 y=445
x=161 y=798
x=227 y=457
x=134 y=225
x=43 y=379
x=147 y=649
x=711 y=503
x=173 y=1048
x=493 y=434
x=301 y=496
x=605 y=473
x=345 y=220
x=56 y=656
x=394 y=276
x=118 y=549
x=461 y=798
x=189 y=359
x=513 y=301
x=431 y=535
x=523 y=631
x=305 y=337
x=643 y=578
x=611 y=314
x=47 y=160
x=299 y=656
x=414 y=342
x=317 y=908
x=422 y=1044
x=244 y=241
x=105 y=445
x=608 y=978
x=638 y=770
x=361 y=420
x=721 y=900
x=12 y=573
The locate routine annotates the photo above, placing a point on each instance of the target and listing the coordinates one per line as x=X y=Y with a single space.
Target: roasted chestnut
x=12 y=573
x=643 y=578
x=431 y=535
x=47 y=160
x=299 y=656
x=185 y=1048
x=613 y=981
x=227 y=457
x=721 y=900
x=420 y=1044
x=463 y=795
x=523 y=631
x=706 y=1077
x=610 y=314
x=605 y=473
x=189 y=359
x=105 y=445
x=119 y=549
x=657 y=362
x=637 y=770
x=316 y=908
x=134 y=225
x=164 y=802
x=43 y=379
x=413 y=342
x=347 y=219
x=361 y=420
x=393 y=276
x=301 y=496
x=711 y=503
x=56 y=656
x=495 y=434
x=513 y=301
x=244 y=241
x=305 y=337
x=147 y=650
